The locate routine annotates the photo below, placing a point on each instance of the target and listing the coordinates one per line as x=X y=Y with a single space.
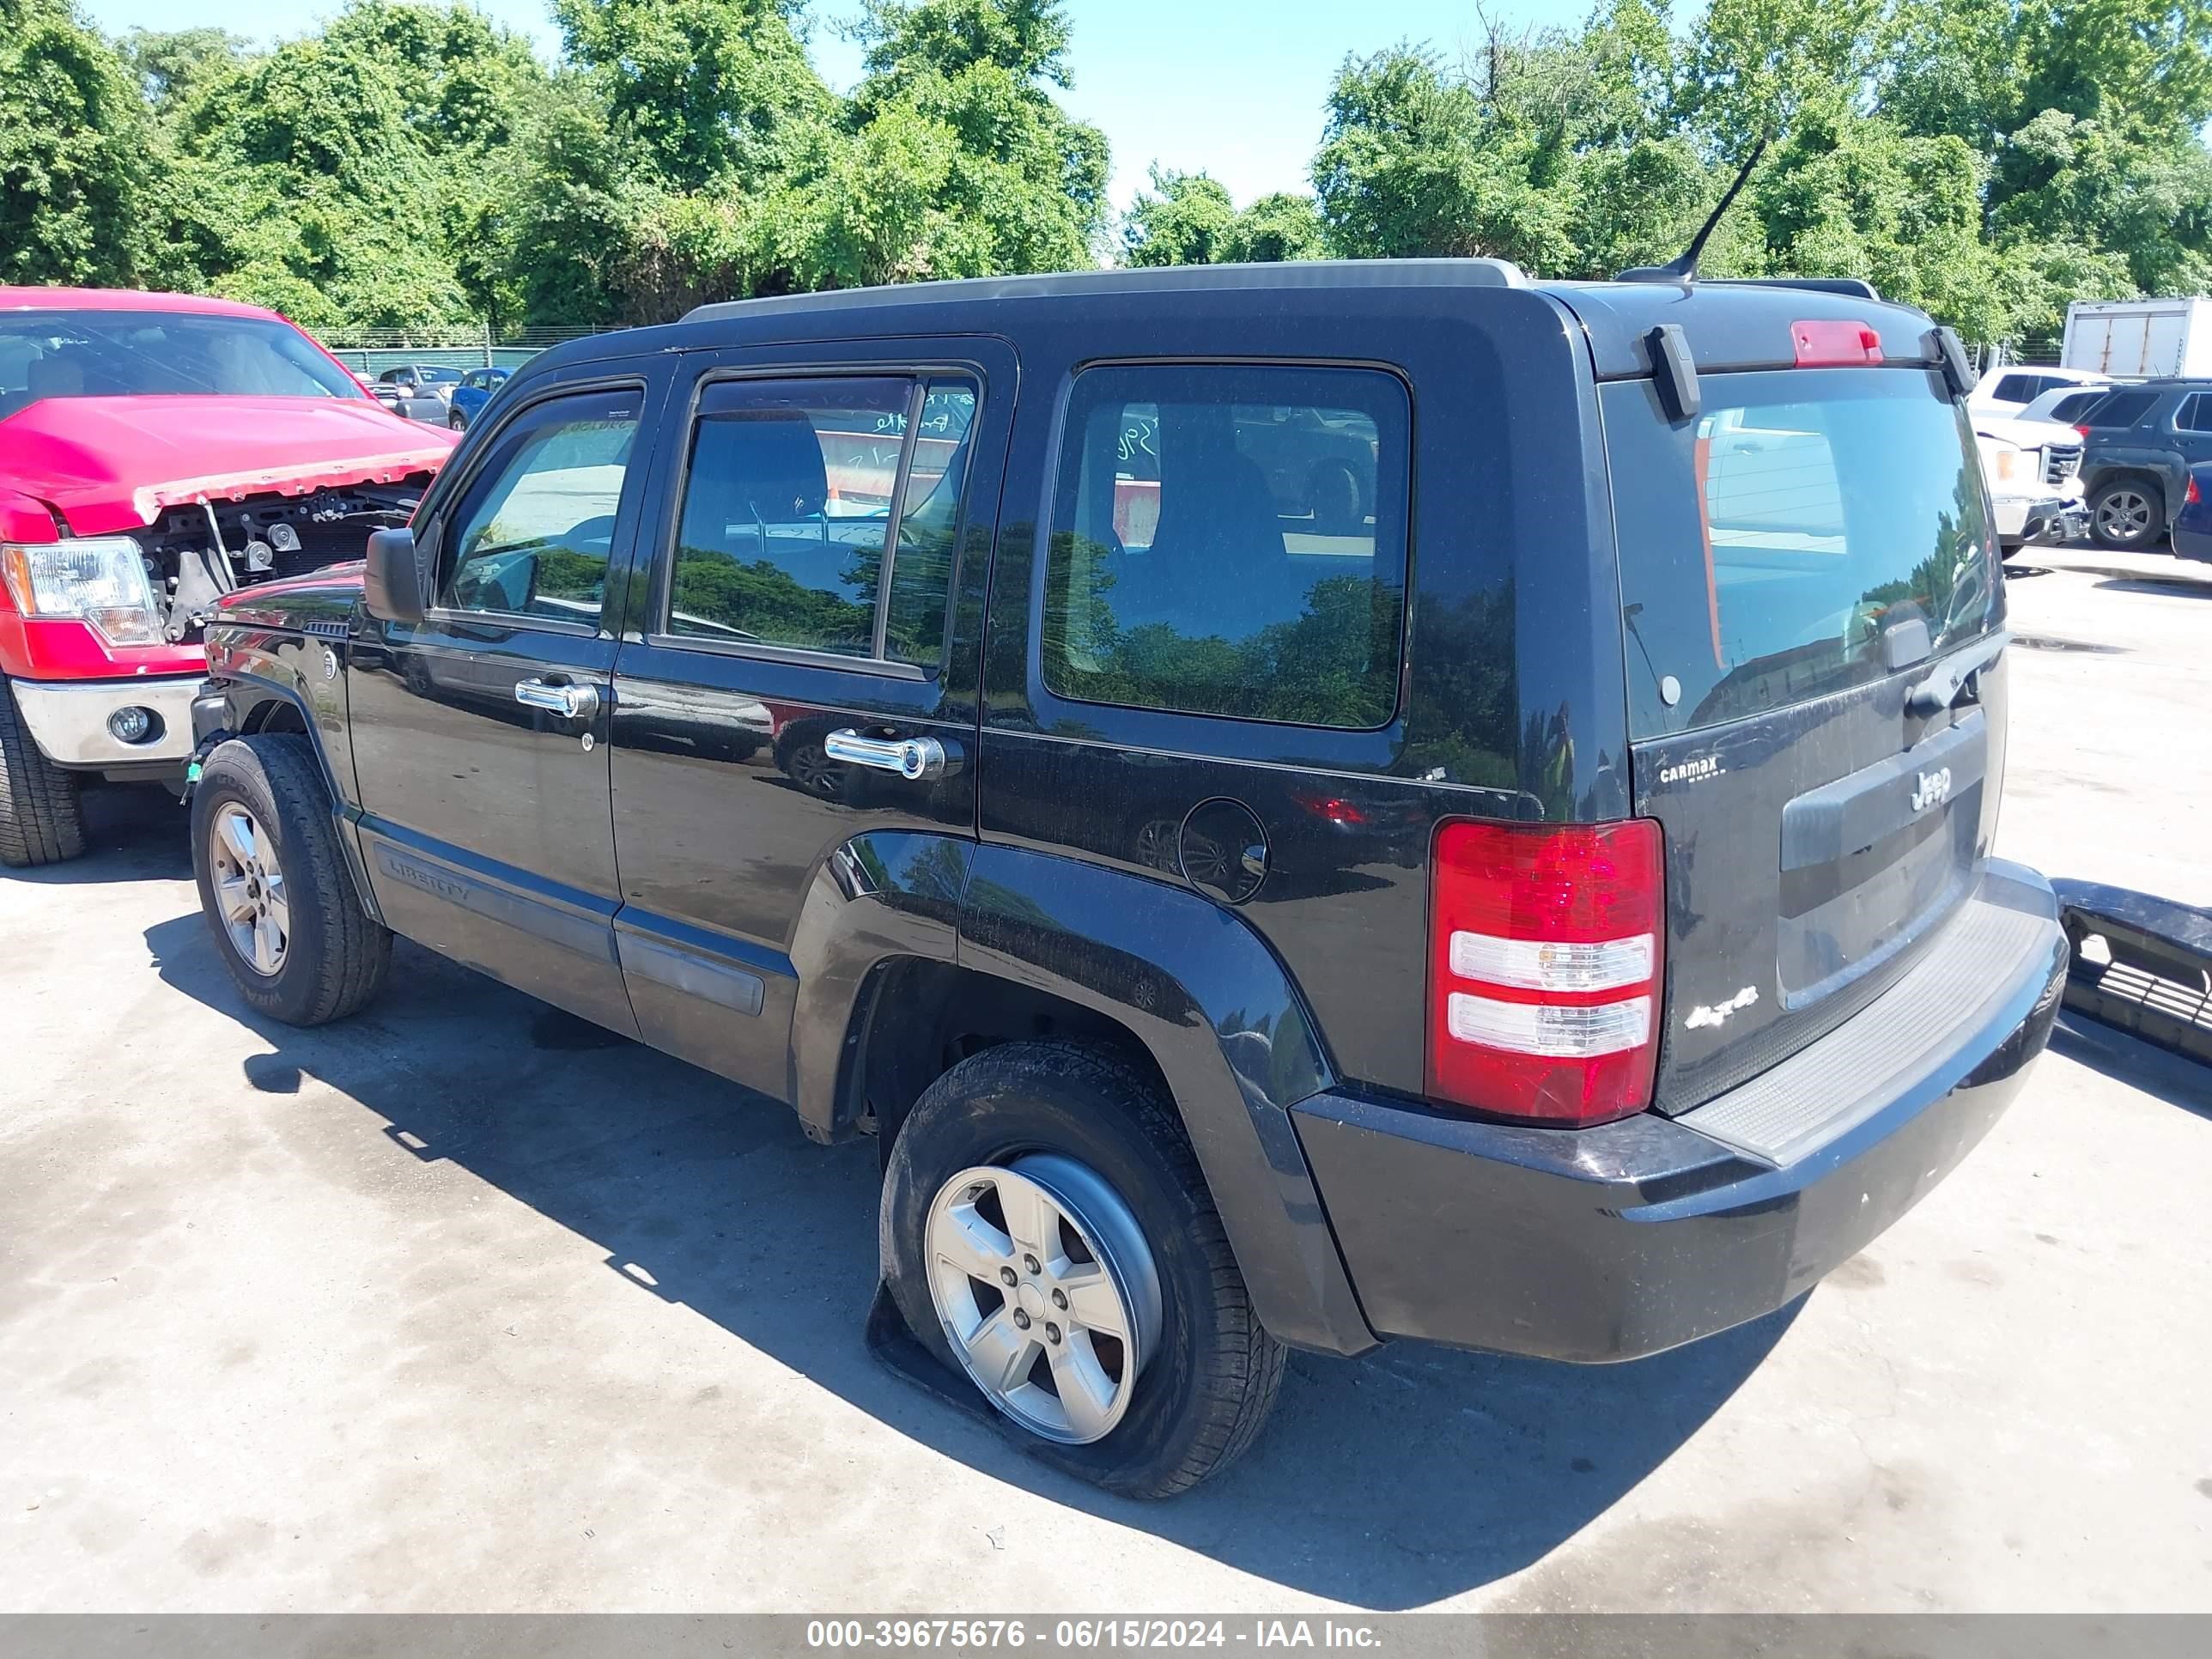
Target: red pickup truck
x=158 y=450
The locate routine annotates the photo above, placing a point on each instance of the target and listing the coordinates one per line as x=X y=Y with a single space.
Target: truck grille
x=2061 y=462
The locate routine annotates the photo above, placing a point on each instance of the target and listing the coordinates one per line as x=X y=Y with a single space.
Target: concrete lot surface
x=460 y=1306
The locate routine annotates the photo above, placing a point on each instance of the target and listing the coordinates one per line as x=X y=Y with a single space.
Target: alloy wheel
x=1047 y=1291
x=2125 y=515
x=249 y=889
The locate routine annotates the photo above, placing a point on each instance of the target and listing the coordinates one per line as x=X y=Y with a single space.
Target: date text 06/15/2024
x=976 y=1635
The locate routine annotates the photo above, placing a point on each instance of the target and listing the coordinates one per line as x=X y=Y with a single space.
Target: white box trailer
x=2134 y=339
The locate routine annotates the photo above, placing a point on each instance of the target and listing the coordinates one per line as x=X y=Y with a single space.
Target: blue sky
x=1232 y=87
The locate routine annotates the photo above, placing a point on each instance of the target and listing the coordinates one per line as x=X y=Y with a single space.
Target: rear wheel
x=2127 y=513
x=41 y=819
x=1047 y=1233
x=275 y=888
x=456 y=420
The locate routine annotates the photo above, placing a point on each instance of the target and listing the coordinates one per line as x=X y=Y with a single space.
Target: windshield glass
x=1773 y=548
x=136 y=353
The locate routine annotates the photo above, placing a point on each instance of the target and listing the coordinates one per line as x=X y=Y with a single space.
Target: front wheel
x=456 y=420
x=275 y=888
x=40 y=820
x=2127 y=514
x=1046 y=1231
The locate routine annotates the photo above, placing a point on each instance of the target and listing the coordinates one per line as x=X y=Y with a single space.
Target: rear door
x=1795 y=561
x=779 y=663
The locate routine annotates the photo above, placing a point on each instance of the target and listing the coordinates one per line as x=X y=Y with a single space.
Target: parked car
x=156 y=452
x=2010 y=390
x=1646 y=957
x=421 y=391
x=2139 y=442
x=2192 y=524
x=2066 y=405
x=471 y=393
x=2033 y=469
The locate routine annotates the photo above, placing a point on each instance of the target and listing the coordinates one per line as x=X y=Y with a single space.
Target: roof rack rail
x=1856 y=287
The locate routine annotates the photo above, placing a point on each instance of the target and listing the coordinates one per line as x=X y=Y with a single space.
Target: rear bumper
x=1609 y=1243
x=69 y=718
x=2191 y=543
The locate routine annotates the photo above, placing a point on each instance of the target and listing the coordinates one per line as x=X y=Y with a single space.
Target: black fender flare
x=253 y=669
x=1220 y=1017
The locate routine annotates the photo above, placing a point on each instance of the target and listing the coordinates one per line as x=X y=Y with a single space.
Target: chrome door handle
x=912 y=758
x=576 y=702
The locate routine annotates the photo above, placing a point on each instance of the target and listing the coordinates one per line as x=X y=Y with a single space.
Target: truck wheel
x=275 y=888
x=2127 y=513
x=41 y=819
x=1046 y=1231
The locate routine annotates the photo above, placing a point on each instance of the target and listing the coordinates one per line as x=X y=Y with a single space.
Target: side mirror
x=393 y=587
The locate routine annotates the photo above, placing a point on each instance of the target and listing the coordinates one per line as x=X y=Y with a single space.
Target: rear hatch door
x=1797 y=560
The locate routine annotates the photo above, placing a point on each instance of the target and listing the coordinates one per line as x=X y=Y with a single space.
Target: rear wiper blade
x=1941 y=689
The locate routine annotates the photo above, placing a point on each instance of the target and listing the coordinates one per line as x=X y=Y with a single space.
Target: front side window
x=2122 y=408
x=795 y=490
x=1231 y=540
x=536 y=525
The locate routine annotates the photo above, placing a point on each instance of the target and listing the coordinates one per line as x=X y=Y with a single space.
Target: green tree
x=1186 y=219
x=709 y=89
x=74 y=161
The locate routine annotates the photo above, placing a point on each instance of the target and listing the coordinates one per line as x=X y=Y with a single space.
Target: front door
x=796 y=693
x=480 y=733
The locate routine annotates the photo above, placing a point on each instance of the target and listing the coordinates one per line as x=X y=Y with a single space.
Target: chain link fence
x=369 y=351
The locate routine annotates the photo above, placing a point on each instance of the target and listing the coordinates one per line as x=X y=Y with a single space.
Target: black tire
x=336 y=956
x=2127 y=513
x=456 y=422
x=1207 y=1390
x=41 y=819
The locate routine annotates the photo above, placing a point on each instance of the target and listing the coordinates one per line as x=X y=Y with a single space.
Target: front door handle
x=913 y=758
x=576 y=702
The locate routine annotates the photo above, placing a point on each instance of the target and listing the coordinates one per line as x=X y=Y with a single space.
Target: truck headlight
x=100 y=580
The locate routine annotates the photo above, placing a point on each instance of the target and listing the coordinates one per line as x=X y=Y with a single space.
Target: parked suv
x=1549 y=908
x=2139 y=442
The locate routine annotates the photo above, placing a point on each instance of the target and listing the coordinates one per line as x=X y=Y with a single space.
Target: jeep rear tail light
x=1546 y=968
x=1830 y=344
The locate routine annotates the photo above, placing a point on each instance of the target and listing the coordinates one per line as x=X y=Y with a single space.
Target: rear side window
x=1773 y=549
x=1231 y=541
x=2075 y=407
x=2123 y=409
x=2021 y=388
x=795 y=490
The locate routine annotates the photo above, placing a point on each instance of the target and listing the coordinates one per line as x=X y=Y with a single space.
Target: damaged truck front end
x=158 y=453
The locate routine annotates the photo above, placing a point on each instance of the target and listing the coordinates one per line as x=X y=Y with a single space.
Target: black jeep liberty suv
x=1302 y=804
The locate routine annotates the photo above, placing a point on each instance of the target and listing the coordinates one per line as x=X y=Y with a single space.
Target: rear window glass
x=1773 y=548
x=2073 y=408
x=2123 y=409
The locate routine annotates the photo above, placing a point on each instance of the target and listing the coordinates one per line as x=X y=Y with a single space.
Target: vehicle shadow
x=2125 y=1058
x=132 y=832
x=1389 y=1482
